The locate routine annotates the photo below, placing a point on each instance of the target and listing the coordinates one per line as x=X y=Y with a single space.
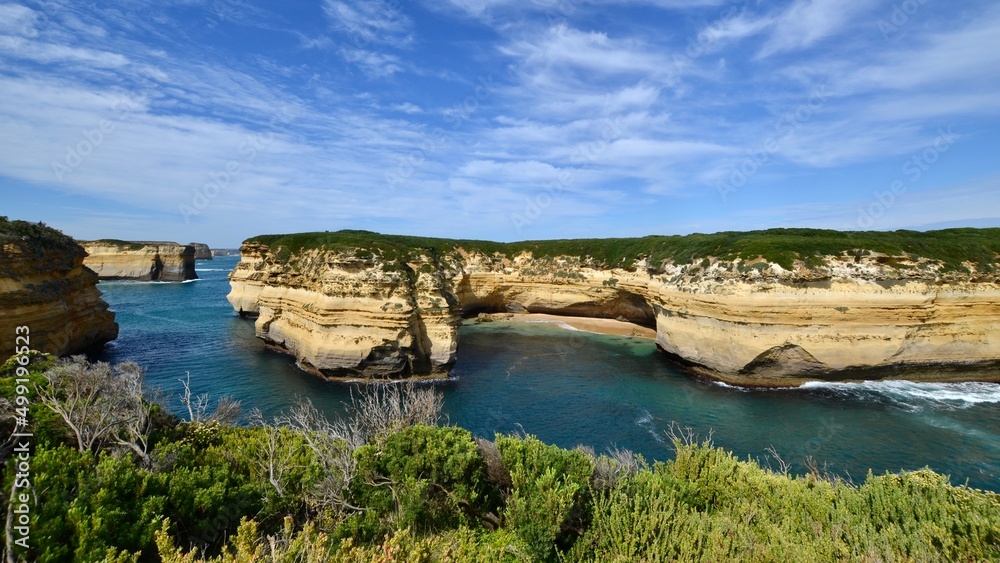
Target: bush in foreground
x=407 y=490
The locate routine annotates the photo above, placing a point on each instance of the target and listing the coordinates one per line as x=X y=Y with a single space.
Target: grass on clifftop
x=950 y=247
x=122 y=244
x=33 y=236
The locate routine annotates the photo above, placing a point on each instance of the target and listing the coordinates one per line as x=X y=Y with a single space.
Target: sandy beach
x=598 y=326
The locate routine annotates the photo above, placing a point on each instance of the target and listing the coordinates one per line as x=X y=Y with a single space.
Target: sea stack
x=140 y=261
x=201 y=251
x=45 y=287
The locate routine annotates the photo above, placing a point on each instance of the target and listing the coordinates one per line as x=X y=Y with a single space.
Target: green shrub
x=423 y=493
x=707 y=505
x=547 y=504
x=120 y=507
x=423 y=478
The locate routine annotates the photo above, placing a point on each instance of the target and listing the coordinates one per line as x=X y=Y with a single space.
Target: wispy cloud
x=564 y=47
x=372 y=63
x=370 y=21
x=481 y=109
x=806 y=22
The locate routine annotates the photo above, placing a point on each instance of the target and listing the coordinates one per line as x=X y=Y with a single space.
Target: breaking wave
x=915 y=395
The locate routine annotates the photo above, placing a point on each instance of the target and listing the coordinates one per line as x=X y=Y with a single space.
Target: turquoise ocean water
x=569 y=387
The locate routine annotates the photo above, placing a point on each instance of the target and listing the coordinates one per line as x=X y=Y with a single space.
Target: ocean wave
x=916 y=394
x=739 y=389
x=213 y=269
x=137 y=282
x=559 y=324
x=645 y=421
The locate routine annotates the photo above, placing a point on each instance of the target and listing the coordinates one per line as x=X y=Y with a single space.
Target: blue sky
x=217 y=120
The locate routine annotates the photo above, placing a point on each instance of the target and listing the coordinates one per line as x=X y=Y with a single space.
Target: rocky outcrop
x=225 y=252
x=343 y=315
x=45 y=287
x=378 y=311
x=201 y=251
x=787 y=330
x=141 y=261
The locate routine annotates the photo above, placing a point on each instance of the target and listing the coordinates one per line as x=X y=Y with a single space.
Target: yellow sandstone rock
x=141 y=261
x=350 y=313
x=46 y=288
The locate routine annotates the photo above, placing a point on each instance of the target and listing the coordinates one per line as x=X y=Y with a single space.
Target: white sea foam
x=559 y=324
x=918 y=394
x=645 y=421
x=136 y=282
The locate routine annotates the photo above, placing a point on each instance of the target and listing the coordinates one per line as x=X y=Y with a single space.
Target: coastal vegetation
x=33 y=237
x=117 y=478
x=121 y=244
x=951 y=249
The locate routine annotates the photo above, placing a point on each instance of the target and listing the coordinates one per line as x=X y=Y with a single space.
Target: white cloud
x=43 y=52
x=321 y=42
x=733 y=29
x=566 y=47
x=830 y=143
x=807 y=22
x=600 y=100
x=484 y=9
x=504 y=172
x=19 y=20
x=966 y=55
x=932 y=76
x=370 y=21
x=407 y=107
x=372 y=63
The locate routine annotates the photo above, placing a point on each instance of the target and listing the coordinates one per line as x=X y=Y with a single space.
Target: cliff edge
x=140 y=261
x=770 y=308
x=44 y=286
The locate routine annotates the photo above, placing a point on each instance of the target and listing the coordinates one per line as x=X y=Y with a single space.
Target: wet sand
x=598 y=326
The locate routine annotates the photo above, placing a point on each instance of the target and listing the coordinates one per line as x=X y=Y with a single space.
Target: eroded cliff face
x=141 y=261
x=44 y=286
x=343 y=315
x=841 y=321
x=358 y=313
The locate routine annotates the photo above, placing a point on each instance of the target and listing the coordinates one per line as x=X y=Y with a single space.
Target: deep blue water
x=569 y=388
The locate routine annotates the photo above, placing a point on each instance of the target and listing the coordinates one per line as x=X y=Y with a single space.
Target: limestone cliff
x=141 y=261
x=349 y=315
x=45 y=287
x=392 y=307
x=201 y=251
